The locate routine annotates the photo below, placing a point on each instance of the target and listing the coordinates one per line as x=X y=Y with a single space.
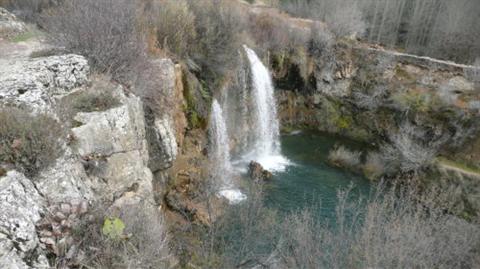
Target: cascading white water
x=266 y=148
x=221 y=169
x=219 y=150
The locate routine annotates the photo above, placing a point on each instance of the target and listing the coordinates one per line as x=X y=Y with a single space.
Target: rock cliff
x=110 y=155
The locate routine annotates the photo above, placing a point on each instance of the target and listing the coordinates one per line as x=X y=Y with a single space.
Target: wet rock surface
x=258 y=173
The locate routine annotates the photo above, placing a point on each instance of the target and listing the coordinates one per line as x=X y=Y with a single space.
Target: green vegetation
x=113 y=228
x=24 y=36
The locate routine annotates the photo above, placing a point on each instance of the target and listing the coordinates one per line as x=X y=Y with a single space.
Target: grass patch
x=47 y=52
x=97 y=98
x=27 y=35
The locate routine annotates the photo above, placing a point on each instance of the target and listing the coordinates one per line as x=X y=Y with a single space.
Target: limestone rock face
x=9 y=24
x=163 y=144
x=65 y=181
x=37 y=83
x=113 y=147
x=165 y=132
x=21 y=207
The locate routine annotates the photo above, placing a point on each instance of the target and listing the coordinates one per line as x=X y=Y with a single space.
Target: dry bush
x=396 y=227
x=370 y=101
x=321 y=42
x=218 y=26
x=399 y=229
x=104 y=31
x=407 y=151
x=143 y=245
x=99 y=96
x=147 y=228
x=242 y=238
x=174 y=25
x=344 y=17
x=403 y=229
x=343 y=157
x=274 y=33
x=28 y=142
x=28 y=10
x=374 y=166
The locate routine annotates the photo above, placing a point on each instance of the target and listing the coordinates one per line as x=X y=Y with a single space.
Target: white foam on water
x=234 y=196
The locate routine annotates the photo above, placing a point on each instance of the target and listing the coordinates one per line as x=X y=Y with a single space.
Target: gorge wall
x=372 y=95
x=113 y=150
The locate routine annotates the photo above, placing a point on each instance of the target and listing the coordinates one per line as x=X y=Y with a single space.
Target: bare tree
x=104 y=31
x=407 y=152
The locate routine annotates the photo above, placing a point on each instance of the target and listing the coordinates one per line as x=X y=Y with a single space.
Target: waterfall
x=219 y=149
x=266 y=132
x=219 y=152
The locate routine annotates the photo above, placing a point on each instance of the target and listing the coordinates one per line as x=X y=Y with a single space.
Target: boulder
x=21 y=207
x=258 y=173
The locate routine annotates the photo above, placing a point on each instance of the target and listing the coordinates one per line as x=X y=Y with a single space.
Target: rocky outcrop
x=37 y=83
x=366 y=93
x=10 y=25
x=113 y=147
x=258 y=173
x=21 y=207
x=106 y=156
x=163 y=144
x=66 y=180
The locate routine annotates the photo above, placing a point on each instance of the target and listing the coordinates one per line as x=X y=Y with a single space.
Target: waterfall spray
x=219 y=151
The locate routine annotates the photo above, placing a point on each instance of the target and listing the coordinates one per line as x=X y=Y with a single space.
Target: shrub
x=139 y=241
x=400 y=229
x=370 y=101
x=28 y=10
x=28 y=142
x=343 y=157
x=274 y=33
x=396 y=227
x=174 y=25
x=99 y=97
x=407 y=152
x=374 y=166
x=344 y=17
x=243 y=236
x=218 y=26
x=321 y=42
x=102 y=30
